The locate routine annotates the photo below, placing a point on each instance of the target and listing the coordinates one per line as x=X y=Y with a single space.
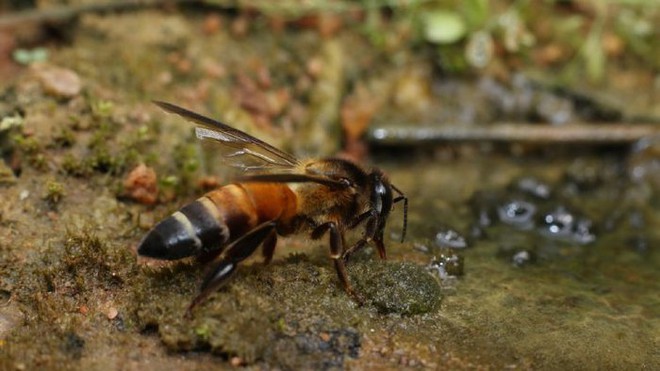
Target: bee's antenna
x=403 y=197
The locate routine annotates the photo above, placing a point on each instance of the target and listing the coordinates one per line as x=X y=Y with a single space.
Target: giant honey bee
x=278 y=195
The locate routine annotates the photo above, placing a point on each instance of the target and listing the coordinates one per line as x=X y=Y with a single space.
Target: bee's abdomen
x=197 y=228
x=204 y=227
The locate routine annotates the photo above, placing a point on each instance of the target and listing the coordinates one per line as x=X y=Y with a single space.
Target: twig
x=65 y=13
x=513 y=132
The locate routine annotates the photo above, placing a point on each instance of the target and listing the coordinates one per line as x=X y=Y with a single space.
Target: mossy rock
x=396 y=287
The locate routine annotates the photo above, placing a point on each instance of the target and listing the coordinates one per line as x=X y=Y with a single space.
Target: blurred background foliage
x=576 y=37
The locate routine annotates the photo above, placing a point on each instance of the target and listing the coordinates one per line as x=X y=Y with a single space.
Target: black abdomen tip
x=152 y=245
x=169 y=240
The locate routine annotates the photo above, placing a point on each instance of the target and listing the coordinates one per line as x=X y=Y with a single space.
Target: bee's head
x=381 y=201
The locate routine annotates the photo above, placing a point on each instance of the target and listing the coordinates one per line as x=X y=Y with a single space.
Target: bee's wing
x=240 y=149
x=294 y=178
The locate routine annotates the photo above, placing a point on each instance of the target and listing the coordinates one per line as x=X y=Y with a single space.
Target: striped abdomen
x=216 y=219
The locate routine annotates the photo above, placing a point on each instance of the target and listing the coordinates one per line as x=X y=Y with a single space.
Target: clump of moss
x=32 y=149
x=396 y=287
x=75 y=167
x=87 y=261
x=6 y=176
x=291 y=313
x=56 y=293
x=54 y=192
x=64 y=138
x=187 y=160
x=50 y=347
x=161 y=295
x=28 y=144
x=101 y=160
x=70 y=273
x=101 y=108
x=233 y=321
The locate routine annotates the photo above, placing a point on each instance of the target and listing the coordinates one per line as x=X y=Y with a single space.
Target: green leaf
x=443 y=27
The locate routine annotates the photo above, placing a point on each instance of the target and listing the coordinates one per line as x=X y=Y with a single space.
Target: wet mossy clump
x=232 y=321
x=63 y=297
x=396 y=287
x=73 y=269
x=89 y=261
x=291 y=313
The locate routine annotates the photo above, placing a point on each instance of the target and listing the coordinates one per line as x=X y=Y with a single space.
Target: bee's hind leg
x=236 y=252
x=268 y=247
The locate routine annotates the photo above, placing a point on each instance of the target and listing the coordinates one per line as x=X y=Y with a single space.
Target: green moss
x=64 y=138
x=54 y=192
x=74 y=273
x=102 y=108
x=293 y=313
x=32 y=149
x=272 y=313
x=87 y=262
x=233 y=321
x=187 y=161
x=74 y=166
x=69 y=273
x=101 y=159
x=396 y=287
x=7 y=176
x=27 y=144
x=55 y=347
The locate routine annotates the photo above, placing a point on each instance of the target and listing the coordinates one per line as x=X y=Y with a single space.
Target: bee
x=278 y=195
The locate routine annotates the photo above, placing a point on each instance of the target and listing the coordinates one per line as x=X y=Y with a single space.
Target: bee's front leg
x=357 y=246
x=370 y=231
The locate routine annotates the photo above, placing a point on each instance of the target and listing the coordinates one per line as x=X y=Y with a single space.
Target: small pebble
x=58 y=82
x=112 y=313
x=236 y=361
x=522 y=258
x=212 y=24
x=24 y=195
x=240 y=26
x=141 y=185
x=314 y=66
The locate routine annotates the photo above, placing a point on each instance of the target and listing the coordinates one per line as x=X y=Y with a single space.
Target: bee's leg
x=336 y=254
x=360 y=218
x=207 y=256
x=356 y=247
x=237 y=252
x=369 y=215
x=369 y=235
x=268 y=247
x=380 y=246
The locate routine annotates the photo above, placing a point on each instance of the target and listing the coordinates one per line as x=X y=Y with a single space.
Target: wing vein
x=227 y=136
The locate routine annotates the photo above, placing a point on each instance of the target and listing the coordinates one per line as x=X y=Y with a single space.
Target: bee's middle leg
x=337 y=255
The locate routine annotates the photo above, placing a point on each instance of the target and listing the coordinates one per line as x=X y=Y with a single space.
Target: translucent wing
x=240 y=149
